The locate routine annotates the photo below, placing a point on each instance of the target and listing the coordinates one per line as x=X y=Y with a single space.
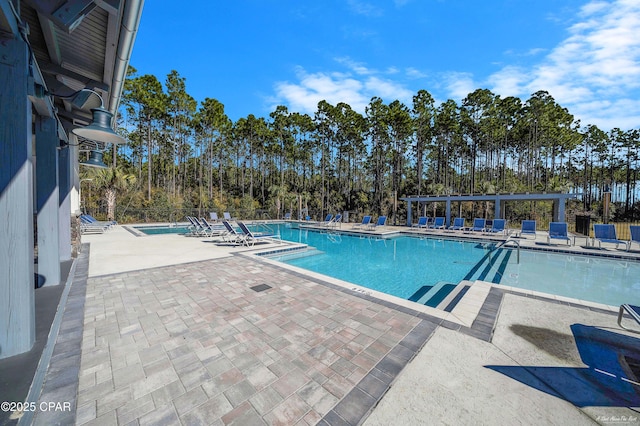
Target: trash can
x=582 y=224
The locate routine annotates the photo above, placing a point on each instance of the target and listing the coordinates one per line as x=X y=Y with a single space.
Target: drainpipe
x=128 y=31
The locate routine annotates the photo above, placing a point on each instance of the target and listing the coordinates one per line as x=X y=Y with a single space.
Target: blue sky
x=253 y=55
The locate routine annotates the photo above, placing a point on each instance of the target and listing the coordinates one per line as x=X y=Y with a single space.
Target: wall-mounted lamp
x=100 y=128
x=95 y=160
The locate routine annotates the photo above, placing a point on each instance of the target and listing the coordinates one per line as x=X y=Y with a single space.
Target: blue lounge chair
x=326 y=220
x=498 y=225
x=228 y=217
x=287 y=216
x=381 y=221
x=365 y=222
x=558 y=231
x=528 y=228
x=231 y=236
x=250 y=237
x=196 y=228
x=335 y=221
x=479 y=225
x=211 y=229
x=606 y=233
x=92 y=220
x=635 y=235
x=438 y=223
x=86 y=226
x=422 y=222
x=213 y=216
x=458 y=224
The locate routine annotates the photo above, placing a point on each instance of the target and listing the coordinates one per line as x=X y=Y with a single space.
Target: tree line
x=188 y=155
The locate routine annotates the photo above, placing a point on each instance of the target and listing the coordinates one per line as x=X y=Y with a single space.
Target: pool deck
x=167 y=329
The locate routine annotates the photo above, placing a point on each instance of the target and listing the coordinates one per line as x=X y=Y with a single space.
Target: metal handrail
x=517 y=246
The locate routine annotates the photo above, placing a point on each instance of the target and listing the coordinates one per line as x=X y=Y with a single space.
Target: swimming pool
x=424 y=269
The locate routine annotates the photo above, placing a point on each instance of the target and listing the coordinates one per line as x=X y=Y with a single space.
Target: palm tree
x=279 y=193
x=486 y=187
x=112 y=180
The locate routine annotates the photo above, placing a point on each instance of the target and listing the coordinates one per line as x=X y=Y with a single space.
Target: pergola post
x=17 y=306
x=448 y=212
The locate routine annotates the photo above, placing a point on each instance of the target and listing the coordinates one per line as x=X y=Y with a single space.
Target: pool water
x=609 y=281
x=158 y=230
x=421 y=270
x=425 y=269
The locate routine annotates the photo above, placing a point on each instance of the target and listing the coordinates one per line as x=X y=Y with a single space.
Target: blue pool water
x=423 y=269
x=158 y=230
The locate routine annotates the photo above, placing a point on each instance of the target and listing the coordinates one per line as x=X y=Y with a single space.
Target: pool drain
x=260 y=287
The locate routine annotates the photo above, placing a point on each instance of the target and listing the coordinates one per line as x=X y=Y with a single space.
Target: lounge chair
x=211 y=230
x=193 y=227
x=335 y=221
x=228 y=217
x=498 y=225
x=458 y=224
x=197 y=228
x=558 y=231
x=326 y=220
x=422 y=222
x=88 y=219
x=528 y=227
x=365 y=222
x=635 y=235
x=231 y=236
x=87 y=227
x=632 y=310
x=287 y=216
x=438 y=223
x=381 y=221
x=479 y=225
x=250 y=237
x=606 y=233
x=213 y=217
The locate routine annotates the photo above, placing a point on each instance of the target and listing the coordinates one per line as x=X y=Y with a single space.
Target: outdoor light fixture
x=95 y=160
x=100 y=129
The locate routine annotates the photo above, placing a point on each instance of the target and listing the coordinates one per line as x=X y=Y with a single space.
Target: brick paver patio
x=195 y=344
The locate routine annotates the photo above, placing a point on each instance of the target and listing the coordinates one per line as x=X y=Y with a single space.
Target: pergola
x=559 y=202
x=59 y=59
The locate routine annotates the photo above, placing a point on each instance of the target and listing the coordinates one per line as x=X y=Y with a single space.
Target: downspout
x=128 y=31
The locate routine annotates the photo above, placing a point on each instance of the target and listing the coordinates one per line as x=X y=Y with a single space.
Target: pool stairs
x=442 y=295
x=492 y=266
x=295 y=254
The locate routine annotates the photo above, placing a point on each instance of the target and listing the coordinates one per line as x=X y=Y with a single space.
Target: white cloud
x=304 y=95
x=459 y=84
x=357 y=67
x=509 y=81
x=415 y=73
x=364 y=8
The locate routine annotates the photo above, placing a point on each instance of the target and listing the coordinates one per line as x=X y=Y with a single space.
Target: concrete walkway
x=180 y=330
